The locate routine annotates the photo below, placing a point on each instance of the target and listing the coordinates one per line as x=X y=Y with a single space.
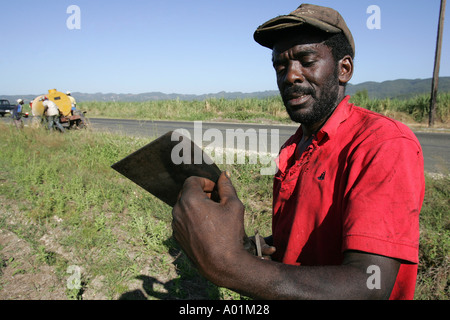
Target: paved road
x=436 y=146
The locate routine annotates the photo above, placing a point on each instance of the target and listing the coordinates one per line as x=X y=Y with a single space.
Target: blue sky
x=195 y=46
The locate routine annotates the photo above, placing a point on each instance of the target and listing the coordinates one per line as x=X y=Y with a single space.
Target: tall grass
x=211 y=109
x=414 y=109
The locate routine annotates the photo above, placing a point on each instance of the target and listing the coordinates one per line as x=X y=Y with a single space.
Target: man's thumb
x=225 y=188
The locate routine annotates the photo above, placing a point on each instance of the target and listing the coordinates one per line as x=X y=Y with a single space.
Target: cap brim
x=271 y=31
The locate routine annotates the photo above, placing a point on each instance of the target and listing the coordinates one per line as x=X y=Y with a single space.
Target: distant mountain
x=148 y=96
x=152 y=96
x=402 y=88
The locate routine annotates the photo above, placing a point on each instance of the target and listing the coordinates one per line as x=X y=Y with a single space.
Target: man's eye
x=279 y=68
x=307 y=64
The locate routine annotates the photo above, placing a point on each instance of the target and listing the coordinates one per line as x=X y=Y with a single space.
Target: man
x=347 y=195
x=81 y=121
x=53 y=113
x=73 y=102
x=17 y=114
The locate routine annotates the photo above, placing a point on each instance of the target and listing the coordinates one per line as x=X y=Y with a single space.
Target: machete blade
x=153 y=169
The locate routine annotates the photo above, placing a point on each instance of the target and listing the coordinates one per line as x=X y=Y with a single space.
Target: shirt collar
x=329 y=129
x=340 y=114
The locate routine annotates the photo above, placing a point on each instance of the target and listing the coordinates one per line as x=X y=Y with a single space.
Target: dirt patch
x=21 y=277
x=35 y=263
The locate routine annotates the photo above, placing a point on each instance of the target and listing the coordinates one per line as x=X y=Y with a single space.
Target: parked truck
x=8 y=108
x=5 y=107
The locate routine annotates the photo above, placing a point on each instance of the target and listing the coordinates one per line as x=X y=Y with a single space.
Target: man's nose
x=294 y=73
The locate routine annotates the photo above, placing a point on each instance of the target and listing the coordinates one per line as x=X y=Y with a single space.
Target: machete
x=153 y=167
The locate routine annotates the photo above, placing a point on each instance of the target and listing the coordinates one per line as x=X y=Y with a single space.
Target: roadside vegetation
x=60 y=198
x=413 y=110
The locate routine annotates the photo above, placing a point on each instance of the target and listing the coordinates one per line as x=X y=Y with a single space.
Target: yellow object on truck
x=60 y=99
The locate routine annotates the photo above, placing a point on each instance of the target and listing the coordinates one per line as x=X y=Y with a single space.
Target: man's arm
x=212 y=234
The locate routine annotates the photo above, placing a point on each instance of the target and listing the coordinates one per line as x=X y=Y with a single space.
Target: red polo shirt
x=358 y=186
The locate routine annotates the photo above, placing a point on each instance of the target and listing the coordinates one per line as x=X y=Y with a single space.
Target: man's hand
x=212 y=235
x=266 y=250
x=206 y=230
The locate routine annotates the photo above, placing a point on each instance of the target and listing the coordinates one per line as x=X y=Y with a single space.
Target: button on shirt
x=358 y=186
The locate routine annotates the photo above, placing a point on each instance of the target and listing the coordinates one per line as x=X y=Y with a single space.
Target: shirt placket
x=296 y=172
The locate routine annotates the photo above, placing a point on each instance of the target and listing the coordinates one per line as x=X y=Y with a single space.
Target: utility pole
x=437 y=59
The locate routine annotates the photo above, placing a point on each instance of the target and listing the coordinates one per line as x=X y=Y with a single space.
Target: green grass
x=434 y=253
x=61 y=187
x=211 y=109
x=413 y=110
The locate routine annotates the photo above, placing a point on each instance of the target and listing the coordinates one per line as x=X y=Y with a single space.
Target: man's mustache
x=294 y=91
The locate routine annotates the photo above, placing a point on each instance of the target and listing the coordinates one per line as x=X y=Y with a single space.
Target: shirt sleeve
x=383 y=199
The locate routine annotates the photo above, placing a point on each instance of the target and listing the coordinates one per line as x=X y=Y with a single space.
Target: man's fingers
x=206 y=185
x=267 y=250
x=225 y=188
x=201 y=188
x=196 y=188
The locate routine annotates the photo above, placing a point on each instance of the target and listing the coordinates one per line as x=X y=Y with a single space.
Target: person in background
x=52 y=112
x=17 y=114
x=75 y=112
x=73 y=102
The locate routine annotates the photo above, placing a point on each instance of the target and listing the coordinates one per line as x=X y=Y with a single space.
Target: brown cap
x=323 y=18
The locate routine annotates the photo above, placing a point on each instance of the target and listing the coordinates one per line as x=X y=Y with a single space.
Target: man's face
x=307 y=77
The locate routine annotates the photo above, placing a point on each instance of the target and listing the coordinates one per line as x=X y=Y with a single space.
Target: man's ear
x=345 y=69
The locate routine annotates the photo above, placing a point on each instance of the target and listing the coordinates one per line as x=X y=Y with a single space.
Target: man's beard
x=322 y=107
